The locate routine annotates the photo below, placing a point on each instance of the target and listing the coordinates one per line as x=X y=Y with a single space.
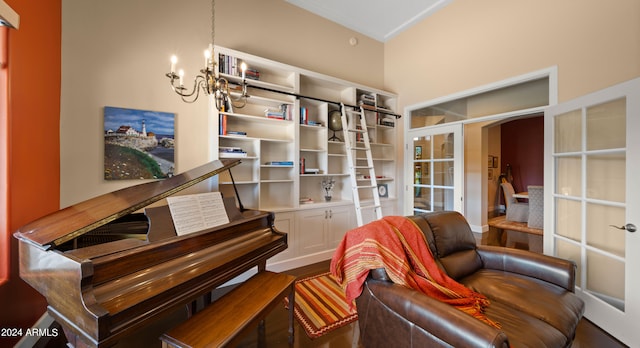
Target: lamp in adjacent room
x=209 y=79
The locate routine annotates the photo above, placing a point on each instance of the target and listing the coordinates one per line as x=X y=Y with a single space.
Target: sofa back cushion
x=451 y=242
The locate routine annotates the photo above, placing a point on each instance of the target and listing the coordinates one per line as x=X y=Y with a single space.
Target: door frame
x=477 y=218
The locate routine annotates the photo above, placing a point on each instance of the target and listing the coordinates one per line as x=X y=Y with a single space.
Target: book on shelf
x=282 y=113
x=252 y=74
x=279 y=163
x=312 y=171
x=222 y=124
x=377 y=177
x=387 y=121
x=231 y=66
x=236 y=133
x=306 y=200
x=231 y=152
x=304 y=115
x=367 y=99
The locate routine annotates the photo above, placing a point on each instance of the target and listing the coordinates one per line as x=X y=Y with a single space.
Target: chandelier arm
x=180 y=89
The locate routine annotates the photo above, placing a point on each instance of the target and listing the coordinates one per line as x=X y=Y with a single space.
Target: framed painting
x=138 y=144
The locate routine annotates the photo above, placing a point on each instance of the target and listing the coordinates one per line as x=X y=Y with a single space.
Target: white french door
x=435 y=154
x=592 y=201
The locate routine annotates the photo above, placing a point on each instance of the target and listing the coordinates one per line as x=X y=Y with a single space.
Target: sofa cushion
x=538 y=299
x=523 y=330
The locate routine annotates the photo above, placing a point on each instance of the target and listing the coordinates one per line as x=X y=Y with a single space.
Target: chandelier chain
x=213 y=22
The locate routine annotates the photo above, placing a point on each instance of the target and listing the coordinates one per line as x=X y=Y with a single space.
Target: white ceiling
x=378 y=19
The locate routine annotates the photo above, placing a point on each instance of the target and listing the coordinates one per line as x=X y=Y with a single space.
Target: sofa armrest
x=388 y=310
x=551 y=269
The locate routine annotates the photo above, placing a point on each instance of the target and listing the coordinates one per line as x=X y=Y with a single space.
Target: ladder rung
x=356 y=130
x=362 y=167
x=370 y=206
x=366 y=187
x=359 y=148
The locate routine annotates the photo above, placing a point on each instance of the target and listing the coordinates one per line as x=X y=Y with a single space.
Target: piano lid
x=71 y=222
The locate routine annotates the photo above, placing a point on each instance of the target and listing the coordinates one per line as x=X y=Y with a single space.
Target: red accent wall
x=33 y=144
x=522 y=146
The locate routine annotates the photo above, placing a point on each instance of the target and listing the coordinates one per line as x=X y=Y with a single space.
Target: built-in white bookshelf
x=271 y=175
x=285 y=160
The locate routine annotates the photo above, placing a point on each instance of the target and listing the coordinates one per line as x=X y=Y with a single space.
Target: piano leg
x=73 y=340
x=193 y=306
x=262 y=338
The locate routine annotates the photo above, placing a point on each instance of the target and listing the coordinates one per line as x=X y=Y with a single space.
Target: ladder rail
x=357 y=141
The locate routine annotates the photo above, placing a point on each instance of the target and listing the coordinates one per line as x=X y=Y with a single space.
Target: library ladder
x=363 y=177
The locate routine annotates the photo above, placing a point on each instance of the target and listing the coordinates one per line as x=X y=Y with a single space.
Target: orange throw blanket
x=396 y=244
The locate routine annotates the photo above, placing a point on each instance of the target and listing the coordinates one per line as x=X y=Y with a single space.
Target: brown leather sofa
x=532 y=296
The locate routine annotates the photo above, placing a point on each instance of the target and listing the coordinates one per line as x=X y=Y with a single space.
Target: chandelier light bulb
x=174 y=60
x=207 y=58
x=243 y=67
x=181 y=75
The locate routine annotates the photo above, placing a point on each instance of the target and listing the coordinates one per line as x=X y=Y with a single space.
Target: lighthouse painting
x=138 y=144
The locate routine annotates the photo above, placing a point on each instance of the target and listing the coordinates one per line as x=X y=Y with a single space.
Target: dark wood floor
x=588 y=335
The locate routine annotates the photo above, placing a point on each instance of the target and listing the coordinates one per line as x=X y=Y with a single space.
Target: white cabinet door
x=312 y=230
x=340 y=221
x=592 y=202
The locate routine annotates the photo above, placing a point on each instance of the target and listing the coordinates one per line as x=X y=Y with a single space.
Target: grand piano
x=108 y=270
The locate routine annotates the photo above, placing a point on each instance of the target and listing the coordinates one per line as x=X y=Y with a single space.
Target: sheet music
x=193 y=213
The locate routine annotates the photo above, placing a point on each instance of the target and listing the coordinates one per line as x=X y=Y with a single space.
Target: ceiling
x=378 y=19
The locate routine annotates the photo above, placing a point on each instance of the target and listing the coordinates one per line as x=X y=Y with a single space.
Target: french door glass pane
x=443 y=173
x=571 y=251
x=442 y=199
x=569 y=176
x=443 y=146
x=422 y=199
x=607 y=126
x=568 y=219
x=600 y=234
x=568 y=132
x=606 y=178
x=605 y=278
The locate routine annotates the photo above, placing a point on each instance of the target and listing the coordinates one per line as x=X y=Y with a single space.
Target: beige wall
x=116 y=53
x=474 y=43
x=471 y=43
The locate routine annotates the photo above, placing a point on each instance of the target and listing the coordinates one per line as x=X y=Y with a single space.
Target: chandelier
x=209 y=80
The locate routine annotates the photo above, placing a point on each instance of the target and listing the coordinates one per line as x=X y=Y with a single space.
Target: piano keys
x=100 y=293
